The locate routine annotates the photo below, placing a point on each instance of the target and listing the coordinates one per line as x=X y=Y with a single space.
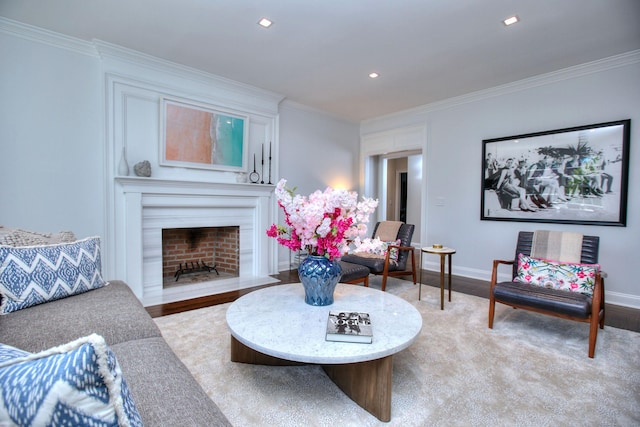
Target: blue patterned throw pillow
x=31 y=275
x=8 y=353
x=79 y=383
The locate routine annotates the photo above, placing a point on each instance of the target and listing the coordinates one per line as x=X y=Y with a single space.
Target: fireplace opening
x=194 y=255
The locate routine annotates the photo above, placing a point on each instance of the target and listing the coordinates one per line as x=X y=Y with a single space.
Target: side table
x=443 y=252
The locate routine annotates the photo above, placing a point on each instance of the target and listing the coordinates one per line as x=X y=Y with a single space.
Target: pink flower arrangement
x=322 y=223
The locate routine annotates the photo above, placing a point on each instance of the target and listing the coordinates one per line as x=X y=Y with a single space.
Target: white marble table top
x=276 y=321
x=444 y=250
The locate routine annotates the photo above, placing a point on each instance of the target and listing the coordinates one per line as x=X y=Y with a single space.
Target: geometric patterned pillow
x=564 y=276
x=79 y=383
x=8 y=352
x=31 y=275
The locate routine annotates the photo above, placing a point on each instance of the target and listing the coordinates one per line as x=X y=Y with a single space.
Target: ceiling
x=319 y=53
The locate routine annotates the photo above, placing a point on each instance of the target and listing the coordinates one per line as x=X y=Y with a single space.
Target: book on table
x=349 y=326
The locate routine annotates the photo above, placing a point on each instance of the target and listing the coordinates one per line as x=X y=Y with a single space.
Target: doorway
x=402 y=196
x=400 y=174
x=392 y=172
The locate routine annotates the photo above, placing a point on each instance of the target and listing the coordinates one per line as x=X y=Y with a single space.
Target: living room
x=70 y=106
x=56 y=124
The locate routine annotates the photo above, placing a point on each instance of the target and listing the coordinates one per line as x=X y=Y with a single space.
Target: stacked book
x=349 y=326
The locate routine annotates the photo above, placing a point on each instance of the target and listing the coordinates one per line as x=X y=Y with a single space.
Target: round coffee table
x=274 y=326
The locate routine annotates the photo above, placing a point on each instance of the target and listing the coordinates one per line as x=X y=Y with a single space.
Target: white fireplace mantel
x=144 y=206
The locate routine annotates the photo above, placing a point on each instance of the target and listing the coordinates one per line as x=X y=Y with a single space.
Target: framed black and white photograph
x=575 y=175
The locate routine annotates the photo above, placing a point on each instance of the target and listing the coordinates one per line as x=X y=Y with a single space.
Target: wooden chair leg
x=593 y=335
x=413 y=266
x=492 y=310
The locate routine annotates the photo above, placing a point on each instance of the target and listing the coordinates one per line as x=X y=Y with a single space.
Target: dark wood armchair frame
x=595 y=317
x=388 y=269
x=395 y=273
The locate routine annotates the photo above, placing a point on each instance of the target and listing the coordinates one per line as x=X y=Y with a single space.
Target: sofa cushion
x=32 y=275
x=564 y=276
x=112 y=311
x=79 y=383
x=165 y=392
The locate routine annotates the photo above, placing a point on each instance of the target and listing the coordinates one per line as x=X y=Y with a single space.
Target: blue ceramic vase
x=319 y=276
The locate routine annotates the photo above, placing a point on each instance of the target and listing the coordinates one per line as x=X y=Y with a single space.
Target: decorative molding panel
x=39 y=35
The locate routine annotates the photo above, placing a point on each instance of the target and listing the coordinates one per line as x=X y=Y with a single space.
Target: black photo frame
x=576 y=175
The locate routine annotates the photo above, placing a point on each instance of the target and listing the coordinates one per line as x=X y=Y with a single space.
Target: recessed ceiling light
x=266 y=23
x=511 y=20
x=374 y=75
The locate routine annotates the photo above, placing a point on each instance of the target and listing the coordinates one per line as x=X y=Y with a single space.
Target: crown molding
x=109 y=51
x=106 y=51
x=616 y=61
x=51 y=38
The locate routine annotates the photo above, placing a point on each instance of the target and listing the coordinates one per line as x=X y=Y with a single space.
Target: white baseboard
x=626 y=300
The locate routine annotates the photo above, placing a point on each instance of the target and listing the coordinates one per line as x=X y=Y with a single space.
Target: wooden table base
x=366 y=383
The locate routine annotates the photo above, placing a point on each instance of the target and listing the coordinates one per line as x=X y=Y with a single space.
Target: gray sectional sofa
x=164 y=391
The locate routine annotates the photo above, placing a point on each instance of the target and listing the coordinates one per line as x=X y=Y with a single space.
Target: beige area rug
x=530 y=370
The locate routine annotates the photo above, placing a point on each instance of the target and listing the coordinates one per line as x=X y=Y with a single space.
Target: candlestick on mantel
x=262 y=174
x=253 y=176
x=269 y=162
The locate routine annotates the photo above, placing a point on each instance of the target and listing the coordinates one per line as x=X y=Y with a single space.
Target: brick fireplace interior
x=194 y=255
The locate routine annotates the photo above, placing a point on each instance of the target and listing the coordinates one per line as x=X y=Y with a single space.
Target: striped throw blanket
x=560 y=246
x=388 y=230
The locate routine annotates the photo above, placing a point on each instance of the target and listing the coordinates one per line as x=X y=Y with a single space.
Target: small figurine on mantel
x=142 y=168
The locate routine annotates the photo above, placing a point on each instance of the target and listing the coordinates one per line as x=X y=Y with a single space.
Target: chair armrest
x=597 y=301
x=402 y=248
x=494 y=270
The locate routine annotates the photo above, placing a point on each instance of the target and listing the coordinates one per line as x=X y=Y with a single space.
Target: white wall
x=51 y=139
x=316 y=150
x=414 y=204
x=593 y=93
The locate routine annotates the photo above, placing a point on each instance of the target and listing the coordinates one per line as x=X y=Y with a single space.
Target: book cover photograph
x=349 y=326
